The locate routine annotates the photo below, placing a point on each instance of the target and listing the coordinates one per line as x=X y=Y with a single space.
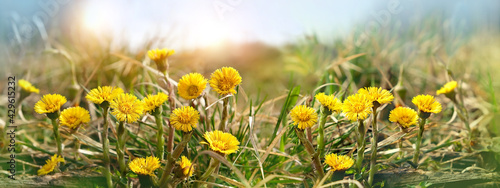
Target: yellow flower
x=126 y=107
x=50 y=165
x=329 y=101
x=159 y=56
x=338 y=162
x=26 y=86
x=224 y=80
x=191 y=85
x=186 y=166
x=73 y=117
x=151 y=102
x=377 y=94
x=427 y=103
x=404 y=116
x=357 y=107
x=145 y=166
x=221 y=142
x=447 y=88
x=184 y=118
x=101 y=94
x=50 y=103
x=303 y=116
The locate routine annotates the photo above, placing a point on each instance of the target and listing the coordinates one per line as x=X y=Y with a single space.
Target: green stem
x=373 y=159
x=120 y=149
x=225 y=114
x=361 y=145
x=159 y=136
x=172 y=157
x=419 y=140
x=211 y=169
x=310 y=149
x=55 y=127
x=321 y=131
x=105 y=148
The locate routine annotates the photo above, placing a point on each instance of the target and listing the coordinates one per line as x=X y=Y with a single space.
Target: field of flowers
x=417 y=114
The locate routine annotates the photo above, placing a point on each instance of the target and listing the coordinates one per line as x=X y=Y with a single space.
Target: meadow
x=306 y=114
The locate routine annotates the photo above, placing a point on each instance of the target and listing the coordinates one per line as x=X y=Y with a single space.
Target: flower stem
x=321 y=131
x=225 y=114
x=310 y=150
x=55 y=127
x=419 y=140
x=172 y=157
x=361 y=145
x=105 y=149
x=211 y=169
x=373 y=159
x=159 y=136
x=120 y=150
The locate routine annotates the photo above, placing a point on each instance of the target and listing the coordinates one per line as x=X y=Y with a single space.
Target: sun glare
x=210 y=34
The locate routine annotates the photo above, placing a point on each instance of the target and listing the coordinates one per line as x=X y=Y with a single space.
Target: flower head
x=221 y=142
x=377 y=95
x=427 y=104
x=73 y=117
x=184 y=118
x=26 y=86
x=151 y=102
x=160 y=56
x=191 y=85
x=186 y=166
x=145 y=166
x=224 y=80
x=329 y=101
x=357 y=107
x=50 y=103
x=50 y=165
x=447 y=88
x=126 y=107
x=303 y=116
x=338 y=162
x=103 y=94
x=404 y=116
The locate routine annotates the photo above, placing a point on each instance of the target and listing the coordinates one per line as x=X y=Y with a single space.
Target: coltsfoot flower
x=126 y=107
x=184 y=118
x=427 y=104
x=152 y=102
x=377 y=95
x=224 y=80
x=103 y=94
x=26 y=86
x=160 y=56
x=186 y=166
x=50 y=165
x=50 y=103
x=357 y=107
x=221 y=142
x=303 y=116
x=74 y=117
x=145 y=166
x=330 y=101
x=338 y=162
x=403 y=116
x=191 y=86
x=447 y=88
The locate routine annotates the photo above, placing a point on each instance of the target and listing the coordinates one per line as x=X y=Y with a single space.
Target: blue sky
x=202 y=23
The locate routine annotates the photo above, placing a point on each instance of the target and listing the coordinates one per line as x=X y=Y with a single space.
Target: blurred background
x=275 y=45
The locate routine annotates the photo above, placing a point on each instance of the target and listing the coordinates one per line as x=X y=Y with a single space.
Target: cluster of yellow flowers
x=128 y=108
x=359 y=106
